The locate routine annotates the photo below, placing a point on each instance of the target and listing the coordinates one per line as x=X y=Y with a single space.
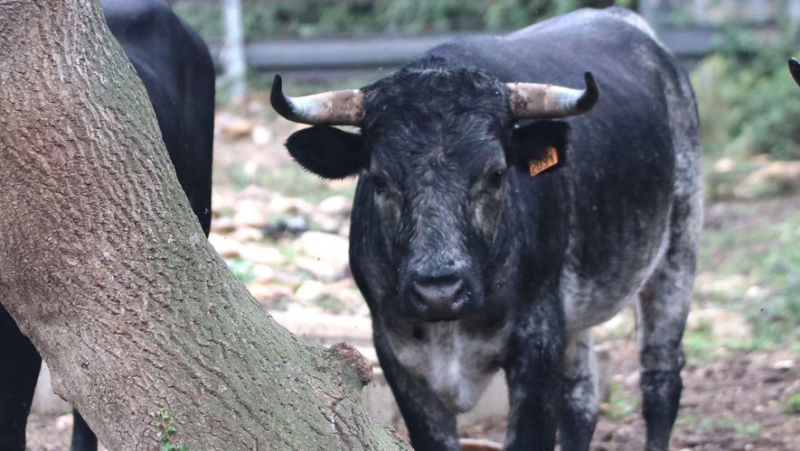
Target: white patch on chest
x=457 y=366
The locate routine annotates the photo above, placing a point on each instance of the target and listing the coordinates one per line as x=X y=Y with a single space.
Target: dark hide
x=176 y=69
x=794 y=68
x=469 y=264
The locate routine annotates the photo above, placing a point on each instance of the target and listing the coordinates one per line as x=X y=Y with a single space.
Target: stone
x=319 y=327
x=247 y=234
x=350 y=297
x=225 y=246
x=339 y=205
x=318 y=268
x=233 y=128
x=261 y=135
x=270 y=295
x=309 y=292
x=327 y=247
x=724 y=325
x=778 y=177
x=263 y=273
x=327 y=223
x=261 y=254
x=45 y=401
x=289 y=205
x=222 y=224
x=251 y=213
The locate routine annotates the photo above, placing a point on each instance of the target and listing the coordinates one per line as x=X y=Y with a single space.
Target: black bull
x=176 y=69
x=484 y=236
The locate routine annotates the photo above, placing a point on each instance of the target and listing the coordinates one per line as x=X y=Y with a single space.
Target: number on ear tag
x=549 y=160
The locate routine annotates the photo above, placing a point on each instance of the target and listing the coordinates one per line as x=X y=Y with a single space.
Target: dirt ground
x=733 y=403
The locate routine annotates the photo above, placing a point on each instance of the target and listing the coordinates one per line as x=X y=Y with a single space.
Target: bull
x=176 y=68
x=794 y=68
x=500 y=213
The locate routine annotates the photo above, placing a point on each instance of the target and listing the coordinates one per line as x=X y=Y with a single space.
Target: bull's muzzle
x=439 y=298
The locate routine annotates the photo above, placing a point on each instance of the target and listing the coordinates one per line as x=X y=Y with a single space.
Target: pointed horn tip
x=590 y=95
x=278 y=100
x=794 y=63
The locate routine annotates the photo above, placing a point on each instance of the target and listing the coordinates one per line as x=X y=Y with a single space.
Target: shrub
x=748 y=101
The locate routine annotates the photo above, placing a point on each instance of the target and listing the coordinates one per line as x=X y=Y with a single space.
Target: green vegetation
x=361 y=17
x=747 y=100
x=166 y=432
x=290 y=180
x=755 y=263
x=619 y=405
x=726 y=422
x=792 y=405
x=242 y=269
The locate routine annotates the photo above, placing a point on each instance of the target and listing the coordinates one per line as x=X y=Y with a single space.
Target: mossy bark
x=105 y=268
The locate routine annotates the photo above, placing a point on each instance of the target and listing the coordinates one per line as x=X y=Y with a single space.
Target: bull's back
x=176 y=68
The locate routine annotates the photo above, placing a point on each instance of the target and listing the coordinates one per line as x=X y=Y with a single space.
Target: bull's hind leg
x=579 y=414
x=19 y=369
x=661 y=316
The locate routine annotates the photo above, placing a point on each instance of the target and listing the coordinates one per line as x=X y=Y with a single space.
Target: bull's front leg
x=579 y=414
x=535 y=376
x=431 y=426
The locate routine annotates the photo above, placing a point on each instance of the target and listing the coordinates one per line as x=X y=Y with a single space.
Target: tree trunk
x=105 y=268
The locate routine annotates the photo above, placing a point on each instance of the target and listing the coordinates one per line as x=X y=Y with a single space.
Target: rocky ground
x=284 y=233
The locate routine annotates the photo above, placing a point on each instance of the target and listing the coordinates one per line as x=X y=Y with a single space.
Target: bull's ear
x=540 y=147
x=328 y=152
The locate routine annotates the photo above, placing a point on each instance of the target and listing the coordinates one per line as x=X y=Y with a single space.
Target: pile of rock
x=288 y=251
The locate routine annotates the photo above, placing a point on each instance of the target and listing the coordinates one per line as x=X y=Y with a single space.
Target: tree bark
x=105 y=268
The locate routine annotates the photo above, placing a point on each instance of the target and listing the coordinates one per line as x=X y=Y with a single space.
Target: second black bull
x=487 y=235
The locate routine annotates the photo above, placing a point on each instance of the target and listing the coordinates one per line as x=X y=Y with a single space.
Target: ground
x=733 y=403
x=284 y=233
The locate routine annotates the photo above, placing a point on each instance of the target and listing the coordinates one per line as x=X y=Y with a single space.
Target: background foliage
x=362 y=17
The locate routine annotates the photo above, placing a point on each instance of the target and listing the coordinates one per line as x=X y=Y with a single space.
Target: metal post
x=232 y=56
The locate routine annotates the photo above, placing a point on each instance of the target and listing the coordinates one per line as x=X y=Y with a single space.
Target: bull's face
x=435 y=154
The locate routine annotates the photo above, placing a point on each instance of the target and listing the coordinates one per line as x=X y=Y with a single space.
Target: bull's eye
x=379 y=183
x=495 y=179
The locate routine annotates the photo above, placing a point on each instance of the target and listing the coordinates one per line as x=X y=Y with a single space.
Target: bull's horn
x=328 y=108
x=794 y=68
x=536 y=100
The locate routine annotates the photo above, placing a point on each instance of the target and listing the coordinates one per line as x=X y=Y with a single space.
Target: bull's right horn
x=536 y=100
x=794 y=68
x=328 y=108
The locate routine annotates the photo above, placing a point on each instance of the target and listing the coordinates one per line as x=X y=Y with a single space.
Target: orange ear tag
x=548 y=161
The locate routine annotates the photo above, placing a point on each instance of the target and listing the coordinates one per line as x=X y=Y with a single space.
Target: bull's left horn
x=328 y=108
x=536 y=100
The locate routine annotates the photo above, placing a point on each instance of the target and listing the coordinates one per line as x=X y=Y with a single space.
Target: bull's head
x=435 y=150
x=794 y=68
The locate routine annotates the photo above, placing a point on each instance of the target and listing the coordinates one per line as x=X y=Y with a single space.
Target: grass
x=728 y=422
x=757 y=248
x=620 y=405
x=288 y=179
x=242 y=269
x=792 y=405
